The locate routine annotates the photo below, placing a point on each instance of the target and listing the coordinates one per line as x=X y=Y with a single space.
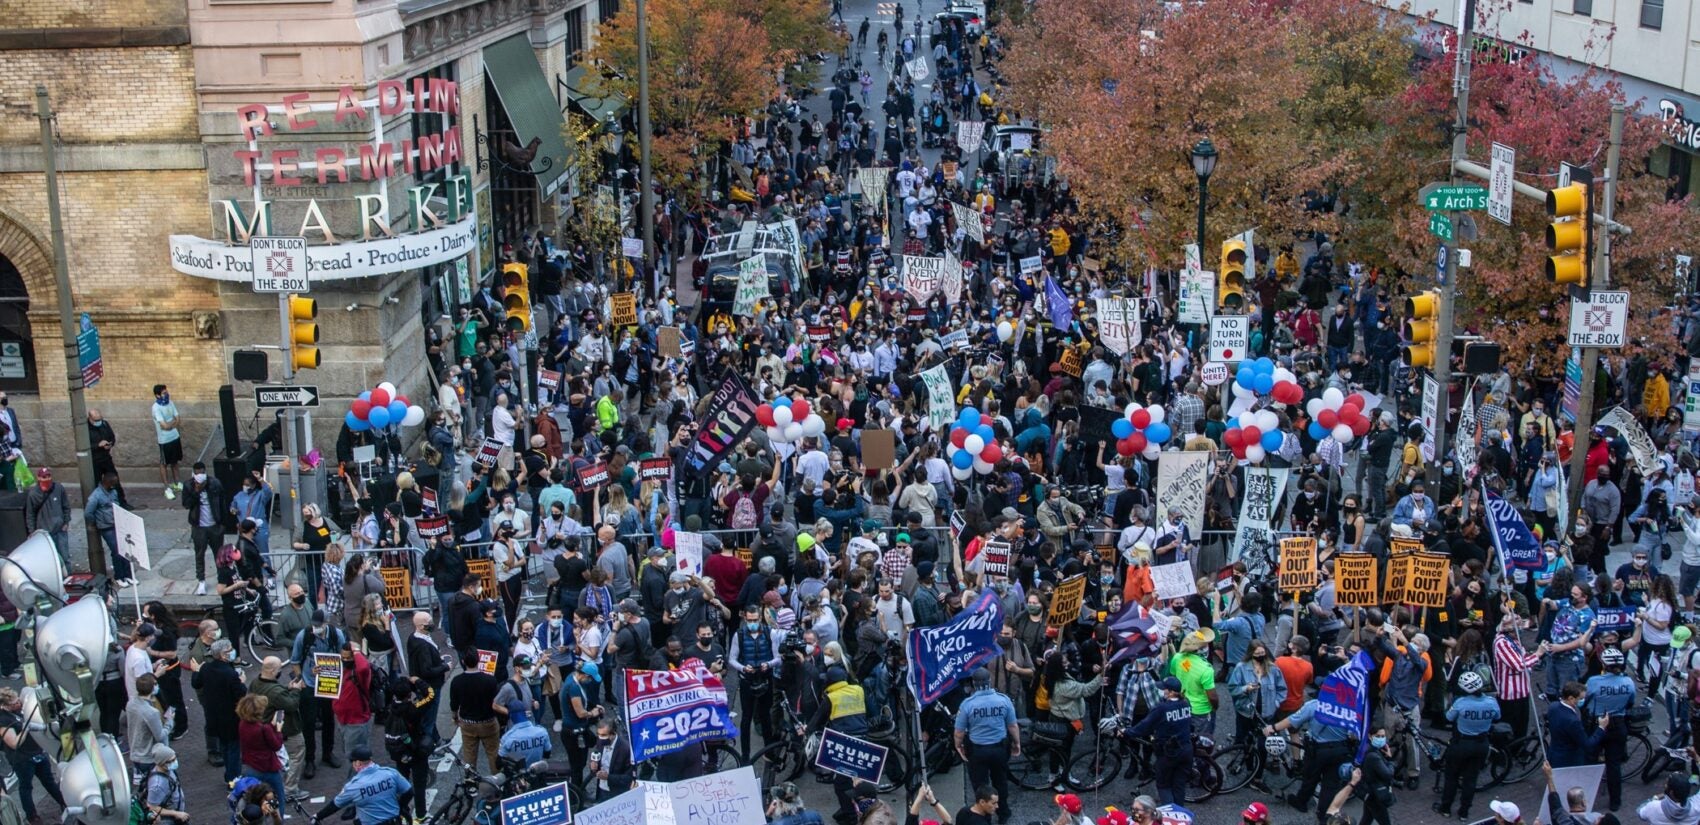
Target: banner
x=922 y=276
x=730 y=418
x=873 y=180
x=918 y=69
x=969 y=134
x=327 y=675
x=1067 y=599
x=952 y=284
x=487 y=660
x=1182 y=479
x=968 y=218
x=729 y=797
x=670 y=709
x=1430 y=580
x=1058 y=307
x=1640 y=444
x=752 y=285
x=1173 y=581
x=1298 y=565
x=544 y=806
x=1259 y=503
x=941 y=656
x=941 y=399
x=1464 y=449
x=1518 y=549
x=1342 y=701
x=785 y=232
x=1355 y=580
x=844 y=754
x=1118 y=324
x=1399 y=569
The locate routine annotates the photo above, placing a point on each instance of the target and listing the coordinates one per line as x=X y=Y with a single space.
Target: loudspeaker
x=227 y=414
x=382 y=488
x=250 y=365
x=12 y=532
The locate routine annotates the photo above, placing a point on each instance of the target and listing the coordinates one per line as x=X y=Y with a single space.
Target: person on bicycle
x=1328 y=747
x=524 y=741
x=1472 y=715
x=375 y=791
x=846 y=711
x=1169 y=725
x=1610 y=695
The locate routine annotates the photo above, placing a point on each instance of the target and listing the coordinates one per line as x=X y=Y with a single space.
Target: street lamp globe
x=1204 y=159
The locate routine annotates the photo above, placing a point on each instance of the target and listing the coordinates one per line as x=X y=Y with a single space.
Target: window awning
x=602 y=109
x=525 y=95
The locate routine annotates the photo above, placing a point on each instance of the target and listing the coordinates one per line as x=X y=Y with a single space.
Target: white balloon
x=1332 y=398
x=973 y=444
x=1244 y=392
x=813 y=426
x=1342 y=433
x=961 y=474
x=415 y=414
x=793 y=431
x=776 y=435
x=1156 y=411
x=1006 y=330
x=782 y=416
x=950 y=449
x=1314 y=407
x=981 y=466
x=388 y=388
x=1268 y=421
x=1284 y=374
x=1152 y=451
x=1254 y=454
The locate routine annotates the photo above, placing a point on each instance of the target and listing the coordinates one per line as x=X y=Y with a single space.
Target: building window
x=17 y=346
x=575 y=35
x=433 y=124
x=1652 y=14
x=606 y=9
x=1582 y=7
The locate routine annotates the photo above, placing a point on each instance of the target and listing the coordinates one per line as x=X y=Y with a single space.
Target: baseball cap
x=361 y=754
x=1507 y=811
x=146 y=630
x=523 y=661
x=1068 y=802
x=1255 y=812
x=982 y=676
x=1172 y=683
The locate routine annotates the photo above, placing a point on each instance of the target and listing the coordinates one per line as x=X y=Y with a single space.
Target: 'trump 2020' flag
x=730 y=418
x=670 y=709
x=940 y=656
x=1343 y=700
x=1511 y=536
x=1058 y=305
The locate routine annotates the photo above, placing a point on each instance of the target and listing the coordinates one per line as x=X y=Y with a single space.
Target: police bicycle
x=1271 y=764
x=1092 y=770
x=480 y=797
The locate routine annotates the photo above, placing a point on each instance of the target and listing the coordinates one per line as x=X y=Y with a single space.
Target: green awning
x=525 y=95
x=602 y=109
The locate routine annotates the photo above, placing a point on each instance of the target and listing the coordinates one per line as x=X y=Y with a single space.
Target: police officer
x=846 y=711
x=1169 y=724
x=1610 y=695
x=1329 y=747
x=525 y=741
x=1472 y=716
x=376 y=792
x=987 y=738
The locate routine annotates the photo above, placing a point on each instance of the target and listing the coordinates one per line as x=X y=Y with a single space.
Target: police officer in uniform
x=987 y=738
x=1327 y=748
x=1610 y=695
x=1169 y=724
x=1472 y=716
x=755 y=657
x=846 y=711
x=524 y=741
x=376 y=792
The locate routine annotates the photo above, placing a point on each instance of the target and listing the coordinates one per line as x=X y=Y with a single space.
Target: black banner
x=730 y=418
x=1095 y=424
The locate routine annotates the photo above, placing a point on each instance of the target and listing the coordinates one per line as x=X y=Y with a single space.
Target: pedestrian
x=472 y=695
x=47 y=507
x=374 y=791
x=286 y=699
x=1610 y=695
x=1326 y=748
x=26 y=757
x=162 y=793
x=317 y=714
x=102 y=440
x=97 y=510
x=170 y=438
x=206 y=505
x=352 y=706
x=1472 y=715
x=221 y=687
x=260 y=732
x=1170 y=726
x=145 y=726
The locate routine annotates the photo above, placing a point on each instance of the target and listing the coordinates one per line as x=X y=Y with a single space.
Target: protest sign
x=820 y=334
x=672 y=709
x=958 y=523
x=625 y=809
x=488 y=452
x=997 y=553
x=655 y=469
x=1615 y=619
x=1066 y=600
x=1586 y=777
x=1197 y=297
x=952 y=285
x=941 y=656
x=487 y=660
x=1641 y=446
x=956 y=339
x=1071 y=361
x=1399 y=569
x=622 y=309
x=918 y=69
x=485 y=570
x=968 y=218
x=728 y=797
x=729 y=418
x=593 y=476
x=969 y=134
x=879 y=449
x=398 y=587
x=785 y=232
x=1298 y=564
x=327 y=675
x=1182 y=479
x=1355 y=580
x=922 y=276
x=132 y=534
x=1429 y=580
x=1172 y=581
x=844 y=754
x=667 y=340
x=873 y=180
x=431 y=527
x=1260 y=500
x=1518 y=549
x=941 y=399
x=548 y=379
x=544 y=806
x=1032 y=264
x=1118 y=324
x=752 y=285
x=428 y=501
x=687 y=552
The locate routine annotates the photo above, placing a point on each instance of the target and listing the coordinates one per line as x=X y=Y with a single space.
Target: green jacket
x=284 y=698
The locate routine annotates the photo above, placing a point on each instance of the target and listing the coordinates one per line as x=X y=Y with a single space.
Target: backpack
x=744 y=515
x=378 y=698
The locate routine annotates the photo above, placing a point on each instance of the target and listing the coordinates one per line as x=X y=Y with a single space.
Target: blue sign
x=1440 y=267
x=1618 y=620
x=671 y=709
x=939 y=657
x=544 y=806
x=1518 y=549
x=88 y=352
x=845 y=754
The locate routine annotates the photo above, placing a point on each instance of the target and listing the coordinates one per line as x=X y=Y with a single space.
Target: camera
x=792 y=646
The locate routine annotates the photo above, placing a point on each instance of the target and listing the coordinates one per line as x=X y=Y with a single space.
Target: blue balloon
x=354 y=423
x=1122 y=428
x=1234 y=422
x=1264 y=383
x=984 y=431
x=398 y=411
x=962 y=460
x=1272 y=440
x=366 y=395
x=379 y=417
x=781 y=401
x=969 y=419
x=1317 y=431
x=1246 y=378
x=1266 y=366
x=1158 y=433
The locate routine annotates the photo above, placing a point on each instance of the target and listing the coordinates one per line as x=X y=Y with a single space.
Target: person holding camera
x=755 y=658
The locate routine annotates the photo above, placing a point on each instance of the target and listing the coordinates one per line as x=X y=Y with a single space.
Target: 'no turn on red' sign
x=1600 y=320
x=1230 y=338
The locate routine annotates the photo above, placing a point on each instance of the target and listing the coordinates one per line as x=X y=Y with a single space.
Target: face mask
x=1551 y=555
x=680 y=590
x=231 y=657
x=604 y=742
x=1446 y=470
x=527 y=672
x=172 y=767
x=752 y=626
x=1006 y=641
x=508 y=506
x=1310 y=494
x=321 y=631
x=1110 y=579
x=1579 y=531
x=1260 y=656
x=1033 y=609
x=1378 y=741
x=200 y=478
x=555 y=624
x=784 y=589
x=298 y=600
x=163 y=399
x=705 y=640
x=217 y=634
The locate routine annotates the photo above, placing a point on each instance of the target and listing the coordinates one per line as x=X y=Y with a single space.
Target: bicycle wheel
x=1525 y=758
x=1638 y=751
x=1206 y=781
x=722 y=756
x=1095 y=768
x=1238 y=766
x=896 y=772
x=453 y=811
x=263 y=636
x=1032 y=769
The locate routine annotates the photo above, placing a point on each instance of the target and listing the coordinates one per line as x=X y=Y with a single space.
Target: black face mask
x=298 y=600
x=705 y=640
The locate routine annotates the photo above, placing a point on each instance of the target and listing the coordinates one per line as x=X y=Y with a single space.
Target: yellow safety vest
x=847 y=700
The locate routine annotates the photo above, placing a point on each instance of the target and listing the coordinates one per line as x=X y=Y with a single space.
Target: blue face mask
x=1378 y=741
x=752 y=626
x=163 y=399
x=784 y=590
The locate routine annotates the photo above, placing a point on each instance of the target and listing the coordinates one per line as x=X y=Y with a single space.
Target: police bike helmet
x=1470 y=682
x=1611 y=657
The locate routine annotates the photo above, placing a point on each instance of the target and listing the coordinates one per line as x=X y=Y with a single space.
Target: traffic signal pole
x=1448 y=292
x=1599 y=275
x=287 y=338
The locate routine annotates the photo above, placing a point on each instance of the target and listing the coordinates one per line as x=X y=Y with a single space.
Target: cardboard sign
x=1430 y=580
x=655 y=469
x=752 y=285
x=958 y=523
x=631 y=247
x=549 y=379
x=969 y=134
x=667 y=341
x=327 y=675
x=879 y=449
x=1173 y=581
x=997 y=553
x=687 y=552
x=844 y=754
x=485 y=570
x=949 y=167
x=488 y=452
x=1032 y=264
x=1071 y=362
x=922 y=276
x=398 y=587
x=622 y=309
x=1399 y=569
x=1066 y=600
x=1298 y=564
x=593 y=476
x=820 y=335
x=955 y=340
x=487 y=661
x=544 y=806
x=432 y=527
x=428 y=500
x=730 y=797
x=1355 y=580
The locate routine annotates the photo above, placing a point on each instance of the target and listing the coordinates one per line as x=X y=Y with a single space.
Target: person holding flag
x=1331 y=721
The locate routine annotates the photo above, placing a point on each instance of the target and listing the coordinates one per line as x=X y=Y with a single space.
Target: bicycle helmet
x=1611 y=657
x=1470 y=682
x=1109 y=725
x=1275 y=745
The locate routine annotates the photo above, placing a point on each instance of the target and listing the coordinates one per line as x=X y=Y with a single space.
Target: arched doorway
x=17 y=347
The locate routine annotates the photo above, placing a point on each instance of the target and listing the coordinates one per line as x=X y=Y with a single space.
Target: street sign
x=1448 y=198
x=1230 y=338
x=280 y=264
x=1440 y=266
x=88 y=352
x=1599 y=321
x=279 y=396
x=1691 y=402
x=1431 y=415
x=1500 y=180
x=1440 y=226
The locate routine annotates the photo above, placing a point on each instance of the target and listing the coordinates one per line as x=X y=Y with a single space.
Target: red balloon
x=1328 y=418
x=957 y=436
x=1350 y=411
x=1141 y=418
x=1124 y=447
x=764 y=415
x=1360 y=427
x=1358 y=399
x=1295 y=394
x=1252 y=435
x=799 y=410
x=380 y=397
x=1137 y=441
x=992 y=454
x=1234 y=438
x=361 y=408
x=1239 y=452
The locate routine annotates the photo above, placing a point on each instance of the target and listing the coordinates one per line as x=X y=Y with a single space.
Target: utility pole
x=646 y=182
x=68 y=326
x=1448 y=291
x=1599 y=275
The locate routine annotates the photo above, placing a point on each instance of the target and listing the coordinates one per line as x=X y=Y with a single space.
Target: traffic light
x=303 y=332
x=1230 y=278
x=516 y=296
x=1422 y=312
x=1567 y=235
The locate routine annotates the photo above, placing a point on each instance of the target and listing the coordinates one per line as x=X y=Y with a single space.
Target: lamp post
x=1203 y=165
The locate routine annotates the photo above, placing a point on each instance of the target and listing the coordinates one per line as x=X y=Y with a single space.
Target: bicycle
x=1272 y=765
x=261 y=634
x=1093 y=770
x=1513 y=760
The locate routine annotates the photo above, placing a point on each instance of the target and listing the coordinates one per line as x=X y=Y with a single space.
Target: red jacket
x=258 y=743
x=353 y=705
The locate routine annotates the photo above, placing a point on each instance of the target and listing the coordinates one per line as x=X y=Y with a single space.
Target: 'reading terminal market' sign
x=430 y=231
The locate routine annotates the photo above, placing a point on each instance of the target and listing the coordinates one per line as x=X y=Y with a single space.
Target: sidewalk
x=172 y=577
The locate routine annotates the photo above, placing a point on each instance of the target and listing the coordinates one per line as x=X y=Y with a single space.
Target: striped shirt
x=1511 y=666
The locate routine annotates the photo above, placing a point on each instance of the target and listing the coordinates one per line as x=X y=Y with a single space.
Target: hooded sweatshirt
x=1668 y=811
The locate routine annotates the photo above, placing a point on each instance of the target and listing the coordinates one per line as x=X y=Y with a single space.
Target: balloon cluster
x=1142 y=431
x=789 y=419
x=1337 y=415
x=1254 y=435
x=1262 y=377
x=973 y=446
x=382 y=407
